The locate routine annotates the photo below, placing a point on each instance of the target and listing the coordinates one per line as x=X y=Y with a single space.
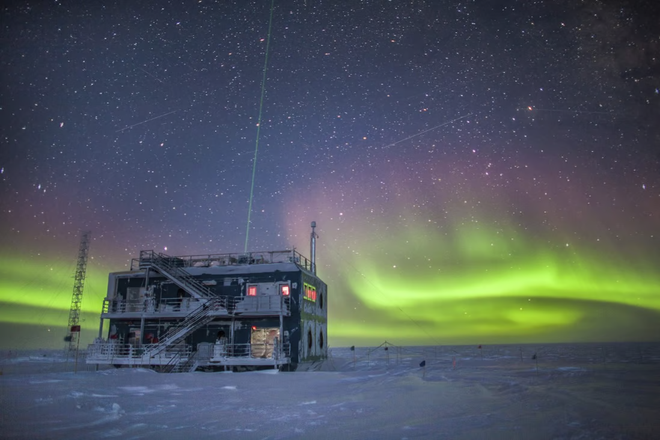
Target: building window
x=310 y=339
x=321 y=300
x=321 y=339
x=252 y=291
x=310 y=292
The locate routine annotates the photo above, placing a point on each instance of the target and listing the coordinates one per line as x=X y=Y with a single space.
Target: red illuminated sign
x=285 y=290
x=252 y=291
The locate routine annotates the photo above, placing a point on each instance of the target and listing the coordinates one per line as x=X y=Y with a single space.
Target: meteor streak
x=429 y=129
x=144 y=122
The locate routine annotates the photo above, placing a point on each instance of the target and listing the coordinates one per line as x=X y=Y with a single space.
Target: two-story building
x=219 y=311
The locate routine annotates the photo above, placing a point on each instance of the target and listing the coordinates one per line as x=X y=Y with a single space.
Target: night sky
x=480 y=172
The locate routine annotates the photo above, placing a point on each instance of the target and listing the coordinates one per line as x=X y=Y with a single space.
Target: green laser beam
x=256 y=146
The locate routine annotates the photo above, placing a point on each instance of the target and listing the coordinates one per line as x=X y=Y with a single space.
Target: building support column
x=142 y=330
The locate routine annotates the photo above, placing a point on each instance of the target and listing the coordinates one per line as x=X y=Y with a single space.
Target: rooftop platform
x=233 y=262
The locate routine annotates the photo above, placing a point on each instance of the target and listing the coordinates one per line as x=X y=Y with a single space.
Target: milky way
x=479 y=173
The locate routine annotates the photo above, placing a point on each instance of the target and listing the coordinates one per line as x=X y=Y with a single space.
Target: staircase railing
x=188 y=366
x=192 y=322
x=172 y=364
x=171 y=268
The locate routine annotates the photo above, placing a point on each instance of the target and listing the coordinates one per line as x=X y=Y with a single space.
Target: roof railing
x=236 y=259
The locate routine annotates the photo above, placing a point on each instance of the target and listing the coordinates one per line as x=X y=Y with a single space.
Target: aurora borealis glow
x=478 y=173
x=486 y=273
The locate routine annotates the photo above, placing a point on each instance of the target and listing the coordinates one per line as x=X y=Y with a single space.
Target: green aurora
x=35 y=299
x=473 y=285
x=470 y=288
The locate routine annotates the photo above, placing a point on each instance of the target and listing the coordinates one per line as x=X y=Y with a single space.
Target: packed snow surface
x=579 y=391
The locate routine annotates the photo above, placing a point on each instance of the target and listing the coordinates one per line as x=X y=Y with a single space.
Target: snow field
x=579 y=391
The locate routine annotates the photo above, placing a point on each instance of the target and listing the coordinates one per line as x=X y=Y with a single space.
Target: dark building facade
x=221 y=311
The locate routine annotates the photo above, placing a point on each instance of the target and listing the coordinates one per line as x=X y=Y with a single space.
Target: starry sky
x=480 y=172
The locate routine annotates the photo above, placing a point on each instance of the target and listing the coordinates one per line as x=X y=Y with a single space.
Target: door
x=263 y=341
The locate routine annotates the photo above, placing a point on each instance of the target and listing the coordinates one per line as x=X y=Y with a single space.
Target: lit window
x=285 y=290
x=310 y=292
x=252 y=291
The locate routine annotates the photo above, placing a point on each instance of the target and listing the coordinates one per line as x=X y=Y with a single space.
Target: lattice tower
x=78 y=284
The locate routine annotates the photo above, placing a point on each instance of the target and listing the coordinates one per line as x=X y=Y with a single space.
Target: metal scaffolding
x=73 y=330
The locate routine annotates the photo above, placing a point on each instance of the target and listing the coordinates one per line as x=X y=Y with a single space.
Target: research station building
x=215 y=312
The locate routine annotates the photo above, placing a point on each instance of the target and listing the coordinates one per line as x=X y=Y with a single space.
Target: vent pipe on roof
x=312 y=246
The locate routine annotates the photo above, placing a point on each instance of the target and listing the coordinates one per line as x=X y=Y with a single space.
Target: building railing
x=255 y=351
x=129 y=354
x=262 y=304
x=242 y=304
x=233 y=259
x=151 y=306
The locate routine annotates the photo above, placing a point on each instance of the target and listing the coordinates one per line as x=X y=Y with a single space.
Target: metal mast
x=312 y=248
x=73 y=331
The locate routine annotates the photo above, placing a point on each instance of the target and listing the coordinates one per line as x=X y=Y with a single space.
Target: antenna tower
x=73 y=330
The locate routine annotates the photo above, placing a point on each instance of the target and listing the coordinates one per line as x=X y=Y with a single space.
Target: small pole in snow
x=535 y=358
x=74 y=331
x=423 y=367
x=481 y=353
x=387 y=352
x=75 y=367
x=353 y=350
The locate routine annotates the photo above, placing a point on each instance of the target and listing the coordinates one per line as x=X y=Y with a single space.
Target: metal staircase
x=188 y=366
x=172 y=269
x=192 y=322
x=169 y=267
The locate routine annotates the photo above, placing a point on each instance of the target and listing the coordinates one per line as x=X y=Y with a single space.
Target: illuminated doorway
x=263 y=341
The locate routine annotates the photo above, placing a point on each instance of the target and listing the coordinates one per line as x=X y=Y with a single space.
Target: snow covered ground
x=578 y=391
